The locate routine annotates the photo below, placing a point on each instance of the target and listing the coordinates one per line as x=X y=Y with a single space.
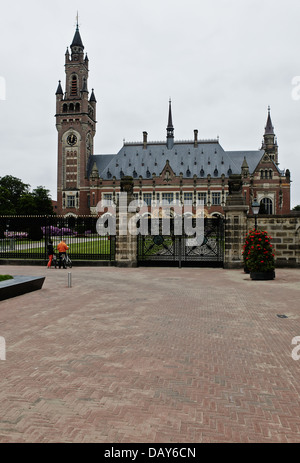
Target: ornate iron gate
x=175 y=250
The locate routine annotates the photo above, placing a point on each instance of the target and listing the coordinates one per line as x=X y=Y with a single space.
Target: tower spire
x=269 y=129
x=269 y=144
x=77 y=42
x=170 y=128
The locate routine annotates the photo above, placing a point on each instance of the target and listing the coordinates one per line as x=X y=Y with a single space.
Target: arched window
x=65 y=108
x=77 y=107
x=270 y=173
x=266 y=206
x=74 y=85
x=71 y=107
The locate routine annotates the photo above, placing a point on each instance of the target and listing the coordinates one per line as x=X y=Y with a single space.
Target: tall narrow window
x=216 y=199
x=147 y=198
x=167 y=197
x=266 y=206
x=107 y=199
x=71 y=201
x=188 y=199
x=74 y=85
x=202 y=197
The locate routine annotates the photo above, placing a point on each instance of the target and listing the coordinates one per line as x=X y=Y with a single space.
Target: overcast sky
x=221 y=61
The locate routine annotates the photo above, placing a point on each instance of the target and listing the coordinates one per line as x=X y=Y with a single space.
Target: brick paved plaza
x=153 y=355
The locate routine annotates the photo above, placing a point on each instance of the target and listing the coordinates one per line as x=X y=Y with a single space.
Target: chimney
x=195 y=138
x=145 y=140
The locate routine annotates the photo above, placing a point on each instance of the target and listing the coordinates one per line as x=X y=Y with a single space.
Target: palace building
x=169 y=170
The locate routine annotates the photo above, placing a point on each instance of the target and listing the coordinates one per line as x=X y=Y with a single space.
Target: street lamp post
x=255 y=208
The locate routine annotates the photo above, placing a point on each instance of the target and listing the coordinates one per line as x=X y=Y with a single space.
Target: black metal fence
x=26 y=237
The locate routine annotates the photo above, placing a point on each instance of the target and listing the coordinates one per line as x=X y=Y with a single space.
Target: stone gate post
x=126 y=243
x=235 y=223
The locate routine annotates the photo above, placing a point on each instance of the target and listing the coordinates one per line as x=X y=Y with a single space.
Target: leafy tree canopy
x=17 y=199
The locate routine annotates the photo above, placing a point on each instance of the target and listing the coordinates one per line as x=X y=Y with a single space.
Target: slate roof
x=77 y=42
x=207 y=158
x=59 y=90
x=101 y=160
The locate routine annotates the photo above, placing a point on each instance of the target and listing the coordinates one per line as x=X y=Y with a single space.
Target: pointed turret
x=245 y=167
x=170 y=129
x=59 y=90
x=67 y=56
x=245 y=163
x=269 y=143
x=77 y=46
x=269 y=129
x=92 y=97
x=94 y=172
x=77 y=42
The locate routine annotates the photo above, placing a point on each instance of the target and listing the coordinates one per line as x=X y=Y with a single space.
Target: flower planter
x=258 y=255
x=18 y=285
x=270 y=275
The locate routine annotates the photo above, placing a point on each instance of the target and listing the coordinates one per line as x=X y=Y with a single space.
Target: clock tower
x=76 y=127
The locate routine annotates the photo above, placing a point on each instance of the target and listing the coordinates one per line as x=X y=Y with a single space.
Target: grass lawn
x=95 y=246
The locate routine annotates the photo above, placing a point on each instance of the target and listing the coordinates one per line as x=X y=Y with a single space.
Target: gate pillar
x=235 y=223
x=126 y=243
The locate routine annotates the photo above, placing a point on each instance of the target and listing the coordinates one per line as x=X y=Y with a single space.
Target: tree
x=5 y=203
x=11 y=189
x=296 y=208
x=26 y=205
x=16 y=198
x=42 y=201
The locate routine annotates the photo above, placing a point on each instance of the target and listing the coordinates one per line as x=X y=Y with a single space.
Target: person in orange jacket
x=62 y=249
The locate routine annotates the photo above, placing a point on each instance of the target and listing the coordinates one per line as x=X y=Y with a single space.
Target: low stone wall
x=285 y=233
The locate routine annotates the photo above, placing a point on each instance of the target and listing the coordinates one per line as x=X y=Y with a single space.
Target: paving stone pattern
x=153 y=355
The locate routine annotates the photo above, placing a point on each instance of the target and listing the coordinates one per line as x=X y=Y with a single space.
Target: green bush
x=5 y=277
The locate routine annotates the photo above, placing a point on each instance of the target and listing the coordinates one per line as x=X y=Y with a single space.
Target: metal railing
x=27 y=237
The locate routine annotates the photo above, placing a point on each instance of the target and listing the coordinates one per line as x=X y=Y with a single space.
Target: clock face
x=72 y=139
